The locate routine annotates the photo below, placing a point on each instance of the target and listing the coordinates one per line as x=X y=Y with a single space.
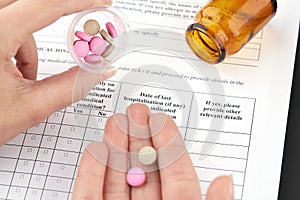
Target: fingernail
x=102 y=1
x=110 y=68
x=111 y=71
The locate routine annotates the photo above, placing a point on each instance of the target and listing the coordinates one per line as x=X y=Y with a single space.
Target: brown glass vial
x=223 y=27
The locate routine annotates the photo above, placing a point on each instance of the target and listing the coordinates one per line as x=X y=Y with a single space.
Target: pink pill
x=81 y=48
x=83 y=36
x=136 y=177
x=92 y=58
x=111 y=29
x=97 y=45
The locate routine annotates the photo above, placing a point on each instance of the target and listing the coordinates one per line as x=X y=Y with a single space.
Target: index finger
x=23 y=18
x=178 y=176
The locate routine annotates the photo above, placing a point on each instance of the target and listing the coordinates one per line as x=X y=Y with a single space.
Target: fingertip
x=221 y=188
x=138 y=114
x=138 y=106
x=138 y=123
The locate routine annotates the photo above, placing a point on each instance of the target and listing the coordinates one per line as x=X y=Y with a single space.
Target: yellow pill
x=147 y=155
x=91 y=27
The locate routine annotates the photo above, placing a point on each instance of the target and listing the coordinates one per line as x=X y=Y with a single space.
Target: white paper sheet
x=232 y=115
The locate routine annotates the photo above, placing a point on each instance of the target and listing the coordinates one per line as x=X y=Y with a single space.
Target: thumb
x=220 y=189
x=61 y=90
x=30 y=102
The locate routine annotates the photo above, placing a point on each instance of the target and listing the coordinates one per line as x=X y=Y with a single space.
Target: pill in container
x=222 y=27
x=92 y=35
x=91 y=27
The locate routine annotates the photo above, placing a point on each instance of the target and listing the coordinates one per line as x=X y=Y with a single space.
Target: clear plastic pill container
x=103 y=14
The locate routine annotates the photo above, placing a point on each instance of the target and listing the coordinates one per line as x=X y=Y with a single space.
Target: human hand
x=25 y=102
x=103 y=167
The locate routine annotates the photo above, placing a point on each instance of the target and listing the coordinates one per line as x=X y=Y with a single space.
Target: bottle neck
x=205 y=44
x=274 y=4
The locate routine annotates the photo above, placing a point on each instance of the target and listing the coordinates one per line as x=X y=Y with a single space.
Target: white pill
x=147 y=155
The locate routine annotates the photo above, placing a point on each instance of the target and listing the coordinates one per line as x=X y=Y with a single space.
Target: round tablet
x=83 y=36
x=91 y=27
x=93 y=59
x=97 y=45
x=108 y=51
x=111 y=29
x=147 y=155
x=81 y=48
x=106 y=36
x=135 y=177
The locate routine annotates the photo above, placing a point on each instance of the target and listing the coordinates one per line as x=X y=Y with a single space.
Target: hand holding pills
x=138 y=160
x=24 y=101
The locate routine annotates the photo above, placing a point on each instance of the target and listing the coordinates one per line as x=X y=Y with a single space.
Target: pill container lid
x=103 y=14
